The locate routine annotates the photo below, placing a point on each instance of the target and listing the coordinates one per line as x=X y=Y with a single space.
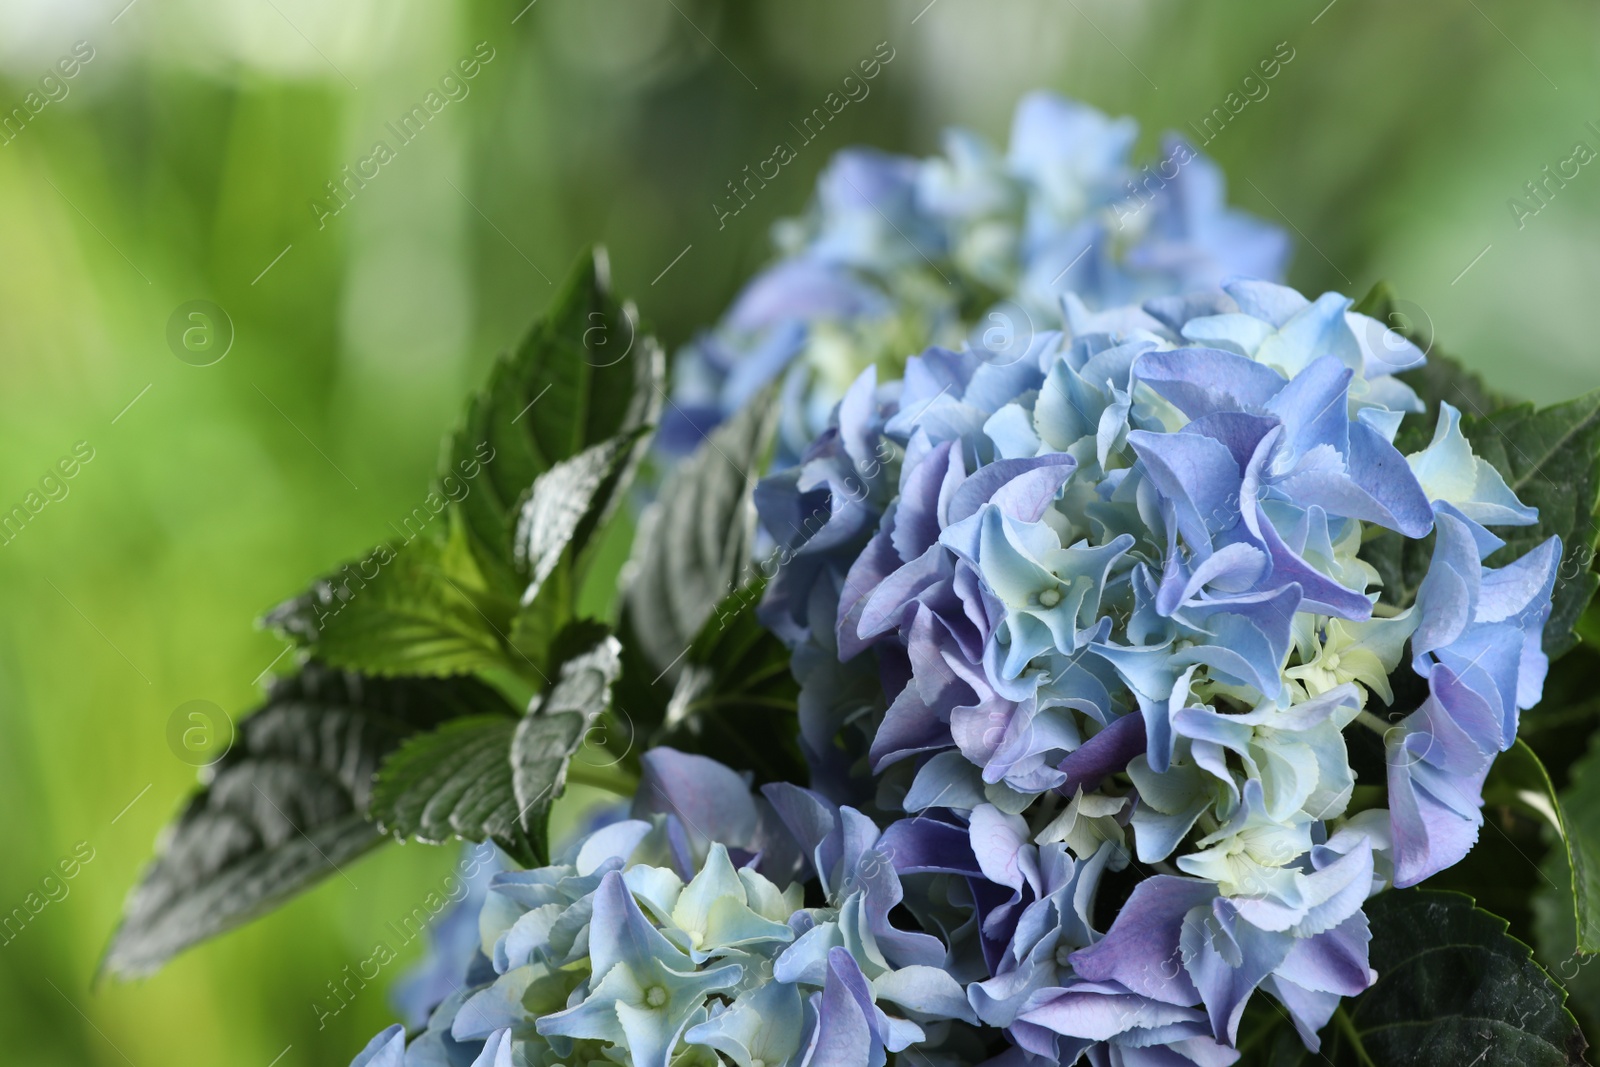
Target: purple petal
x=711 y=800
x=1141 y=950
x=1106 y=753
x=846 y=1032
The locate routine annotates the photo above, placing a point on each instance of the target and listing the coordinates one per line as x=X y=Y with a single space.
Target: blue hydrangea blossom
x=1107 y=598
x=897 y=252
x=658 y=940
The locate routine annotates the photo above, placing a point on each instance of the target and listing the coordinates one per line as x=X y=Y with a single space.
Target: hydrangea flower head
x=649 y=944
x=1107 y=598
x=897 y=251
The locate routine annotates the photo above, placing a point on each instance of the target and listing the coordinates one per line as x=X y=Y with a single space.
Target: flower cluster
x=899 y=252
x=656 y=942
x=1096 y=616
x=1103 y=607
x=1090 y=640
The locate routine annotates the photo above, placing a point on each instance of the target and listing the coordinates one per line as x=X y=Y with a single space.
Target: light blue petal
x=925 y=991
x=764 y=1025
x=385 y=1050
x=1450 y=472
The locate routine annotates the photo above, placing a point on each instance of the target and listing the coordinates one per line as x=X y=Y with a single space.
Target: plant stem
x=611 y=777
x=1349 y=1027
x=1373 y=723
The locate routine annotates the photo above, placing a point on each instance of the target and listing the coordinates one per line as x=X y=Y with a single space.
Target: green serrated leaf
x=736 y=699
x=1550 y=457
x=555 y=728
x=540 y=750
x=1556 y=942
x=590 y=661
x=449 y=605
x=283 y=809
x=493 y=777
x=1519 y=779
x=454 y=782
x=1453 y=990
x=585 y=373
x=421 y=608
x=695 y=539
x=565 y=505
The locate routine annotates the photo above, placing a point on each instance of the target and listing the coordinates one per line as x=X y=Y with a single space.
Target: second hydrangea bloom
x=899 y=252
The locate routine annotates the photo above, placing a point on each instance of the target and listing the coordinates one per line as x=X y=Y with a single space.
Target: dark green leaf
x=588 y=665
x=284 y=808
x=584 y=374
x=736 y=699
x=1444 y=378
x=1453 y=990
x=644 y=689
x=446 y=602
x=695 y=540
x=420 y=608
x=1550 y=458
x=540 y=751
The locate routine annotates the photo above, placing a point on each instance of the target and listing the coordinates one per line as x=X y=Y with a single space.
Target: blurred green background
x=181 y=161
